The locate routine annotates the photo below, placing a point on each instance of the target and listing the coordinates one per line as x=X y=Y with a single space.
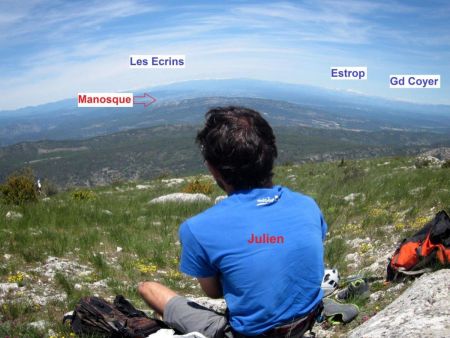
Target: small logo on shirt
x=267 y=200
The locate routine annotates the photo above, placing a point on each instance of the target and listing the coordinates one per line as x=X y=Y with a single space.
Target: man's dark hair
x=240 y=144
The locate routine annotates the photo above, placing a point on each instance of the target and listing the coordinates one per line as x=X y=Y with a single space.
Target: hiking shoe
x=337 y=313
x=356 y=288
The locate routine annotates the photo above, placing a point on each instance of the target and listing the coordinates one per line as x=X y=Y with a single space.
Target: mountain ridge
x=186 y=102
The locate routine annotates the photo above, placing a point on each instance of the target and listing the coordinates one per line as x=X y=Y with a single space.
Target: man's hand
x=211 y=286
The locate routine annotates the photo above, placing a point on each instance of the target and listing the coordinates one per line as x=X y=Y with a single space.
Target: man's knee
x=145 y=287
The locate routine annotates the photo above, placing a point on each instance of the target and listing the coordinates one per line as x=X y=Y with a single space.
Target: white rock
x=77 y=286
x=13 y=215
x=352 y=257
x=5 y=287
x=220 y=198
x=101 y=283
x=119 y=249
x=107 y=212
x=396 y=288
x=173 y=181
x=356 y=243
x=181 y=197
x=143 y=186
x=7 y=256
x=376 y=296
x=351 y=197
x=68 y=267
x=217 y=305
x=423 y=310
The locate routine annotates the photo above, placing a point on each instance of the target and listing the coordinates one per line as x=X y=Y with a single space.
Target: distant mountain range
x=87 y=146
x=186 y=102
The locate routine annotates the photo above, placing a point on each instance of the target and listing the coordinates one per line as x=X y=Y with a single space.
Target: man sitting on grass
x=261 y=248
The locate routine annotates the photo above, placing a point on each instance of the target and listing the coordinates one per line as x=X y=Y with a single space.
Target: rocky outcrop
x=423 y=310
x=442 y=153
x=181 y=197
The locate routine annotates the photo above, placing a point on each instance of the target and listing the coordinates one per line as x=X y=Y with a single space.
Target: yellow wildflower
x=399 y=226
x=376 y=212
x=419 y=222
x=365 y=247
x=175 y=275
x=146 y=268
x=17 y=278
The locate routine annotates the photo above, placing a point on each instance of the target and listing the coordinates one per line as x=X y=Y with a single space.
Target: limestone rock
x=143 y=186
x=13 y=215
x=423 y=310
x=173 y=181
x=181 y=197
x=351 y=197
x=217 y=305
x=220 y=198
x=5 y=287
x=442 y=154
x=39 y=325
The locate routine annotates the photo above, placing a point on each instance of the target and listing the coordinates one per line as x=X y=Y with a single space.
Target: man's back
x=266 y=247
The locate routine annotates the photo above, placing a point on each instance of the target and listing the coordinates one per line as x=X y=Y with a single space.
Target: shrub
x=197 y=186
x=83 y=195
x=49 y=188
x=351 y=172
x=19 y=188
x=422 y=163
x=446 y=164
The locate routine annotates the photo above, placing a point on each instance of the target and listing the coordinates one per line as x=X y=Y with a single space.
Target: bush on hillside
x=351 y=172
x=422 y=163
x=446 y=164
x=49 y=188
x=83 y=195
x=19 y=188
x=198 y=187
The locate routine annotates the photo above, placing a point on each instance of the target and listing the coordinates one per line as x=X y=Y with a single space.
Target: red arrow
x=146 y=104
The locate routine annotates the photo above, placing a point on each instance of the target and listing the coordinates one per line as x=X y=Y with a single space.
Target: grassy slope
x=397 y=199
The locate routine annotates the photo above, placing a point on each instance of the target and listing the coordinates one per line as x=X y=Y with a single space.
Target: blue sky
x=51 y=50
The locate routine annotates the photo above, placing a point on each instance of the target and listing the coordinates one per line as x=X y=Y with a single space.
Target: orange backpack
x=429 y=246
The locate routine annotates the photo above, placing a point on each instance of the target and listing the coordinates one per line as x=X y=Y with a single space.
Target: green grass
x=91 y=232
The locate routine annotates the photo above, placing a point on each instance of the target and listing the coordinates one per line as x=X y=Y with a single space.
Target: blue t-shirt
x=266 y=246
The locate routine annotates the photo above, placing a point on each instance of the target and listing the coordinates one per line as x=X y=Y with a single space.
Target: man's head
x=239 y=144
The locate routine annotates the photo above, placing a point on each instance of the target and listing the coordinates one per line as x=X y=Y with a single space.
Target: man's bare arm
x=211 y=286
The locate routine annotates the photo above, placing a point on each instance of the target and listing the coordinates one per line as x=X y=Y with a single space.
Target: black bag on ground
x=94 y=315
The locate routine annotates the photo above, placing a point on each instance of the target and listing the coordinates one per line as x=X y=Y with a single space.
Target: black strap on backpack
x=94 y=315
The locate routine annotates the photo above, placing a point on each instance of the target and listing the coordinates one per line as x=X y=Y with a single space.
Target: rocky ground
x=42 y=279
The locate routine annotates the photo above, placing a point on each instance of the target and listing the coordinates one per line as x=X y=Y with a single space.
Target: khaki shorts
x=187 y=316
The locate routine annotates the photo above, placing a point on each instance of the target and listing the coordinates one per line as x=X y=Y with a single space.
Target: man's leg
x=181 y=314
x=156 y=295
